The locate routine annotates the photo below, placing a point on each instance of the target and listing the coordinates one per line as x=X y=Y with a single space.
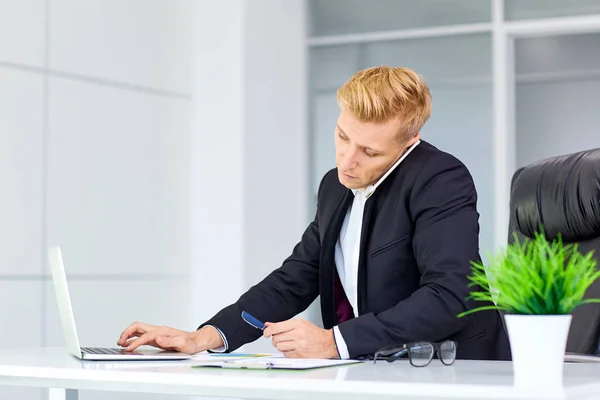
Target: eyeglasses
x=419 y=354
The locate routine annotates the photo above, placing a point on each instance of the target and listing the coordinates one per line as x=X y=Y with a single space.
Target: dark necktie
x=343 y=308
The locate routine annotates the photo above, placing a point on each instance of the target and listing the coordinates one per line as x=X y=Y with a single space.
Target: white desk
x=54 y=368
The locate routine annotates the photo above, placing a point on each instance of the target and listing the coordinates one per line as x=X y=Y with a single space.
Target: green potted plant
x=536 y=283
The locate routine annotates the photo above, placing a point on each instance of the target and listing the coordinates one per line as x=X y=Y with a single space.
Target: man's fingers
x=292 y=354
x=286 y=346
x=146 y=338
x=135 y=329
x=278 y=327
x=133 y=339
x=127 y=335
x=283 y=337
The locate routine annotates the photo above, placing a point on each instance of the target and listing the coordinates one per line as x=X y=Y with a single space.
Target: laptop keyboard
x=102 y=350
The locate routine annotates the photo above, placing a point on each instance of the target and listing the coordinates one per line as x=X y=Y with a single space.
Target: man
x=388 y=252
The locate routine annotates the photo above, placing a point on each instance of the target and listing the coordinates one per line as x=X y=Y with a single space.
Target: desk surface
x=53 y=367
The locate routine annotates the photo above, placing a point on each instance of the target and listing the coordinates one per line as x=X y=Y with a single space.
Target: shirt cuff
x=340 y=344
x=225 y=346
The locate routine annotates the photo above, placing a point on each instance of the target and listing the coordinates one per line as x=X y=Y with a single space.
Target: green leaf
x=535 y=276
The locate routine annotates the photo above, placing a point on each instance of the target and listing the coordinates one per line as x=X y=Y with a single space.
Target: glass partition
x=557 y=96
x=529 y=9
x=337 y=17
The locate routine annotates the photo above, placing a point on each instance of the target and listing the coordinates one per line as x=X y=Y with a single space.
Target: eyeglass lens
x=421 y=353
x=447 y=352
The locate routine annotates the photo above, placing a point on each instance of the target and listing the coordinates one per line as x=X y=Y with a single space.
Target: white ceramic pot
x=538 y=344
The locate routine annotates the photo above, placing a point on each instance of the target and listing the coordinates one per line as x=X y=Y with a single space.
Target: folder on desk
x=280 y=363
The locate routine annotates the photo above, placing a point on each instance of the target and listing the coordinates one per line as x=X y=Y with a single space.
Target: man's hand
x=164 y=337
x=298 y=338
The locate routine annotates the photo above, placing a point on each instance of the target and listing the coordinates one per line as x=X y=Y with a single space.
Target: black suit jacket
x=420 y=232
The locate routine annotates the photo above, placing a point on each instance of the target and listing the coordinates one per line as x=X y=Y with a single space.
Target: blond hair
x=381 y=93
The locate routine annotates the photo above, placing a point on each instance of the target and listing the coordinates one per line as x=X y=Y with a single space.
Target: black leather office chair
x=563 y=194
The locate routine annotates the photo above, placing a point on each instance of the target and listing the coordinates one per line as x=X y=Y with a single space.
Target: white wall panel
x=21 y=157
x=22 y=32
x=118 y=179
x=140 y=42
x=20 y=316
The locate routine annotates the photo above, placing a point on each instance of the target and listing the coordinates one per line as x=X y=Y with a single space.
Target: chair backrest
x=562 y=194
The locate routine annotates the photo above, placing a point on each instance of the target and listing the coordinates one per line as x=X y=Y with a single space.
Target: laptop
x=67 y=318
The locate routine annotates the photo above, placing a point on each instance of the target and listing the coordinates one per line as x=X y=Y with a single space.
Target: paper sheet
x=272 y=362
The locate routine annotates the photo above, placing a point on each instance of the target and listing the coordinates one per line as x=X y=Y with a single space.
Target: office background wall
x=94 y=157
x=173 y=147
x=162 y=144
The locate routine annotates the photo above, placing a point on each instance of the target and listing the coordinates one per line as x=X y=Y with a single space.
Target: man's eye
x=369 y=154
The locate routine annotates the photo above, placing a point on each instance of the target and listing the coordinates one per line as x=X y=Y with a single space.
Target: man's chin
x=349 y=182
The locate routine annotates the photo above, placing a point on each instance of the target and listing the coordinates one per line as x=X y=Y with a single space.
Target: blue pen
x=253 y=321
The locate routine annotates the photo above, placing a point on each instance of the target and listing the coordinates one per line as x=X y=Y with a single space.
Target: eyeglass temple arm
x=393 y=355
x=401 y=352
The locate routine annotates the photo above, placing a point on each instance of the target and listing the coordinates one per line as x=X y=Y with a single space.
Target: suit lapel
x=327 y=262
x=371 y=204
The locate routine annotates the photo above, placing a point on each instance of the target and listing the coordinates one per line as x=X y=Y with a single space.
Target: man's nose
x=349 y=160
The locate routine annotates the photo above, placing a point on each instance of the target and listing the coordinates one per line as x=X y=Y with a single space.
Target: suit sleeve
x=283 y=294
x=445 y=240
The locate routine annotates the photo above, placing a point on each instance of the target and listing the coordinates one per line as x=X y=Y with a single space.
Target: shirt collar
x=368 y=191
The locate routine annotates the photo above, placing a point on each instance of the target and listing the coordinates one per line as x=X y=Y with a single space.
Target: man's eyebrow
x=364 y=147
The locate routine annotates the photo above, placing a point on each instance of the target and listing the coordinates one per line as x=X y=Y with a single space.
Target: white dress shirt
x=347 y=250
